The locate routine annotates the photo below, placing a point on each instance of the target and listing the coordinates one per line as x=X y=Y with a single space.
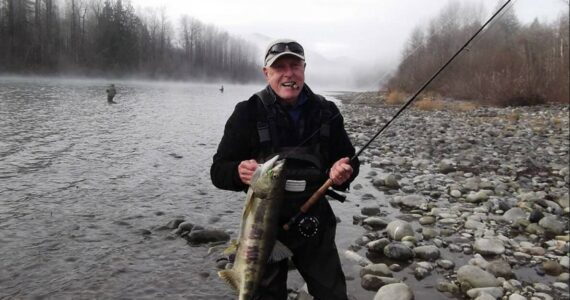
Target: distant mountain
x=339 y=73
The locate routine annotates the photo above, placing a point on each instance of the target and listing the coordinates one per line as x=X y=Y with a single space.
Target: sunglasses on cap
x=283 y=47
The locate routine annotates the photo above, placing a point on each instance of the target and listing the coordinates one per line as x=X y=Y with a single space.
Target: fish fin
x=256 y=174
x=279 y=253
x=232 y=248
x=249 y=205
x=231 y=277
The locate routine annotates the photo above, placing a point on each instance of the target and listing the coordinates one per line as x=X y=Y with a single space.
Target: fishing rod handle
x=316 y=196
x=292 y=221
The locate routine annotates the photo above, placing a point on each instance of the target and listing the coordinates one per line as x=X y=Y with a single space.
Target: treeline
x=96 y=37
x=508 y=64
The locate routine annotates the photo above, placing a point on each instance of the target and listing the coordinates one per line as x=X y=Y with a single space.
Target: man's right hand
x=246 y=169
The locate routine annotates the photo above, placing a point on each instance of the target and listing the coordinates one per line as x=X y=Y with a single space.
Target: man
x=288 y=119
x=111 y=92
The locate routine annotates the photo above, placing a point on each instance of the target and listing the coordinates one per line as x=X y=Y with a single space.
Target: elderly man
x=288 y=119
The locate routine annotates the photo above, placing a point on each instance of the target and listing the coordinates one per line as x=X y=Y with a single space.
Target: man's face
x=286 y=76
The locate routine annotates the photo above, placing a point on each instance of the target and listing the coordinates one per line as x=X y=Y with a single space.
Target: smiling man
x=288 y=119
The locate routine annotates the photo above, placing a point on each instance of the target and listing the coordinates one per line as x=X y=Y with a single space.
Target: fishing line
x=490 y=22
x=321 y=191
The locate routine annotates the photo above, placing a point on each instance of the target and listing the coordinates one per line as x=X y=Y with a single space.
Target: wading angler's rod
x=321 y=191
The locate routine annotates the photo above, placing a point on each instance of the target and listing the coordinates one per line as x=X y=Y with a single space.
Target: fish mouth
x=268 y=165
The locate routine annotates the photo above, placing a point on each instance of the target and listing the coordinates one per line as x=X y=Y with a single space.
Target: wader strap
x=266 y=122
x=325 y=118
x=324 y=125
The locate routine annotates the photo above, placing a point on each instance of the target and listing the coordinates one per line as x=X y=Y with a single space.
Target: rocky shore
x=489 y=183
x=475 y=201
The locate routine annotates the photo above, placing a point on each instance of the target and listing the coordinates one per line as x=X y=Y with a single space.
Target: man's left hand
x=341 y=171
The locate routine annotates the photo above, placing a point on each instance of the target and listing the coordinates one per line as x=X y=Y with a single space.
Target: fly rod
x=321 y=191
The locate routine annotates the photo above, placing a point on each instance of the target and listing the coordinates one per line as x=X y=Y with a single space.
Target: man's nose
x=288 y=71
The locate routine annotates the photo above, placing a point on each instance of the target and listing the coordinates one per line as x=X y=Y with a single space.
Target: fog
x=347 y=43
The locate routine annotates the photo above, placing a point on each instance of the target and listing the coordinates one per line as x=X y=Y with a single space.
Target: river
x=83 y=182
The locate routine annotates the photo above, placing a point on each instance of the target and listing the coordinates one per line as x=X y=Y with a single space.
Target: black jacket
x=241 y=140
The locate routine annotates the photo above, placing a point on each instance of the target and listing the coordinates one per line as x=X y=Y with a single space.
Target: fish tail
x=231 y=277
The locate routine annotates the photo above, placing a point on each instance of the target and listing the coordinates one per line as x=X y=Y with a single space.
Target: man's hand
x=246 y=169
x=341 y=171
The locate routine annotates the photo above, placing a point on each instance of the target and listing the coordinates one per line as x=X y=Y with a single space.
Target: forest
x=96 y=37
x=510 y=63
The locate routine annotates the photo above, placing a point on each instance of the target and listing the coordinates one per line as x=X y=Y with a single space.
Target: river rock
x=174 y=223
x=516 y=296
x=445 y=264
x=488 y=247
x=514 y=213
x=375 y=222
x=472 y=224
x=485 y=296
x=207 y=236
x=496 y=292
x=427 y=220
x=398 y=229
x=184 y=227
x=564 y=200
x=398 y=251
x=552 y=268
x=394 y=291
x=429 y=233
x=378 y=246
x=477 y=197
x=474 y=277
x=447 y=287
x=370 y=211
x=500 y=268
x=413 y=201
x=446 y=166
x=381 y=270
x=429 y=252
x=552 y=225
x=391 y=181
x=373 y=282
x=535 y=216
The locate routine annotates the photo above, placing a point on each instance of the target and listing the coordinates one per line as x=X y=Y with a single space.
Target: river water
x=82 y=183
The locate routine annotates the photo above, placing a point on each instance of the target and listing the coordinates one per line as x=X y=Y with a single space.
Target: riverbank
x=479 y=196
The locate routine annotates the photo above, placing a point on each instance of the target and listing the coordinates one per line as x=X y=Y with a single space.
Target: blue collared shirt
x=295 y=110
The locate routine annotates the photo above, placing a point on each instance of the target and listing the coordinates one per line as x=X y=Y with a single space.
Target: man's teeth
x=290 y=84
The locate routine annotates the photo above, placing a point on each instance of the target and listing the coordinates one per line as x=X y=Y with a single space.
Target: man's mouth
x=290 y=84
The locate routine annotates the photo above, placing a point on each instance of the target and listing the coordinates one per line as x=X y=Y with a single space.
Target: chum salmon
x=257 y=243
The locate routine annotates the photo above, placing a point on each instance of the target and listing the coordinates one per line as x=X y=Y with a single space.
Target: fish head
x=268 y=176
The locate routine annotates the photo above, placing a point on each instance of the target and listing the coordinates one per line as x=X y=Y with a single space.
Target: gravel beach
x=490 y=184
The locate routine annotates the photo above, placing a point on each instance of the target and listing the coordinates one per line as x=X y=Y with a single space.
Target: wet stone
x=489 y=247
x=398 y=251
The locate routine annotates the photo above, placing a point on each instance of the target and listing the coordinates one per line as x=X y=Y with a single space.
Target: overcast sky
x=366 y=31
x=356 y=28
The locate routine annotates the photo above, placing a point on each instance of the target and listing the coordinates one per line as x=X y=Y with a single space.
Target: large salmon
x=257 y=239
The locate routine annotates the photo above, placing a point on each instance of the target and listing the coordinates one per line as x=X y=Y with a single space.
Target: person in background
x=222 y=89
x=111 y=92
x=287 y=118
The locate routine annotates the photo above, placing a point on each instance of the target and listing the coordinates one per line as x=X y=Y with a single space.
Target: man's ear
x=265 y=72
